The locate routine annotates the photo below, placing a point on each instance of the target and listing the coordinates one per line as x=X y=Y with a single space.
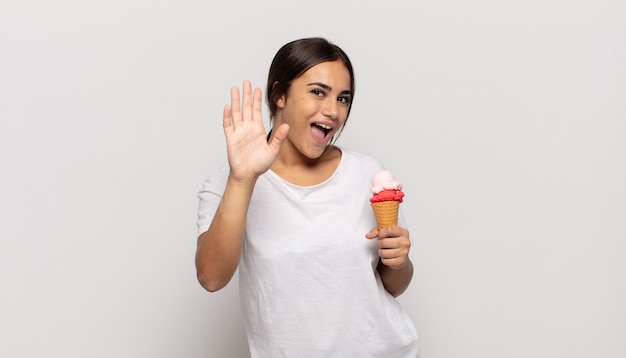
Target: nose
x=331 y=108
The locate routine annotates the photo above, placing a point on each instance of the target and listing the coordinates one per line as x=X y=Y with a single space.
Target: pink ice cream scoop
x=385 y=188
x=386 y=198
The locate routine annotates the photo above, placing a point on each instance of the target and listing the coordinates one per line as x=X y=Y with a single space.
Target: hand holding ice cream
x=393 y=241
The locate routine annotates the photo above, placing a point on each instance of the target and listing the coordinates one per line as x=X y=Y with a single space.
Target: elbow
x=214 y=274
x=397 y=292
x=211 y=284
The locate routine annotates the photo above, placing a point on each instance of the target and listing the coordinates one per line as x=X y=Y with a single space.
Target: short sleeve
x=209 y=197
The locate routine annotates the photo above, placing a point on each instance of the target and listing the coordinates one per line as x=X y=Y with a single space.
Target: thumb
x=279 y=136
x=372 y=234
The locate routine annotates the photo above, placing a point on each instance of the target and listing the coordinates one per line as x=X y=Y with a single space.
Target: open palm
x=249 y=153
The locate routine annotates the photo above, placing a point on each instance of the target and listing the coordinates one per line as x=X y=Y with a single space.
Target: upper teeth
x=324 y=126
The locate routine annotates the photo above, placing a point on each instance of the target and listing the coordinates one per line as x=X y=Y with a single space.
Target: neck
x=297 y=169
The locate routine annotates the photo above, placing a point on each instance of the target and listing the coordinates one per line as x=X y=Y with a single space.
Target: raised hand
x=249 y=153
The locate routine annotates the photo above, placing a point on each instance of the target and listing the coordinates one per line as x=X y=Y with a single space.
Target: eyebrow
x=327 y=87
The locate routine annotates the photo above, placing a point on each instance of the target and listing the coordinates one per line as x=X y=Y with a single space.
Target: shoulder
x=216 y=182
x=362 y=160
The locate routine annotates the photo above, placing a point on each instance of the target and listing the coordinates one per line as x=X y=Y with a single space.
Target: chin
x=313 y=155
x=316 y=152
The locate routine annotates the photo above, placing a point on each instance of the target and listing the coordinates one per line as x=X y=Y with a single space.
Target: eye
x=344 y=99
x=318 y=92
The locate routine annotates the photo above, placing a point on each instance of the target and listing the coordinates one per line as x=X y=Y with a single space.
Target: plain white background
x=504 y=120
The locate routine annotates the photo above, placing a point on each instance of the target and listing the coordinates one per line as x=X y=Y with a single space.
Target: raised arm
x=249 y=156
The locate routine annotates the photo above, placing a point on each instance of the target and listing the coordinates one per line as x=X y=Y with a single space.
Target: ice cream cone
x=386 y=213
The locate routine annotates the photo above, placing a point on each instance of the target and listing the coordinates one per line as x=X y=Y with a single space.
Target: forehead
x=332 y=73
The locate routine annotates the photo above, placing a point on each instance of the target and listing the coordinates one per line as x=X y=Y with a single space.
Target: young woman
x=291 y=211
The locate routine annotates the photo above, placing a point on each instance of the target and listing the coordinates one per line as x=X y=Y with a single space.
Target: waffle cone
x=386 y=213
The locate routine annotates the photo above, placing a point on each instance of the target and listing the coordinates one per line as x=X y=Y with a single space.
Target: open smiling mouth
x=320 y=131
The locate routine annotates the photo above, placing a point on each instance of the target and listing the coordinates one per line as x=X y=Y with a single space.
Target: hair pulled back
x=295 y=58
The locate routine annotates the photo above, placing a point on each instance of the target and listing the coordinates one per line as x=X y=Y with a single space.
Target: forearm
x=219 y=248
x=394 y=280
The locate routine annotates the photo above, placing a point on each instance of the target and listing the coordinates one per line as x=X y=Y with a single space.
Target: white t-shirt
x=308 y=283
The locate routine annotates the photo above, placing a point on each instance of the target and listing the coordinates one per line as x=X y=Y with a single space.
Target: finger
x=388 y=243
x=247 y=101
x=387 y=232
x=395 y=263
x=228 y=118
x=389 y=254
x=393 y=231
x=279 y=136
x=372 y=234
x=235 y=105
x=393 y=254
x=402 y=243
x=257 y=105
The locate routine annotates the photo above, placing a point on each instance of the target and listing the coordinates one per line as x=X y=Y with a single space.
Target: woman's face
x=315 y=107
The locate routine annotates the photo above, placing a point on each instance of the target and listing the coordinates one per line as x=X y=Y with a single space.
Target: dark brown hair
x=295 y=58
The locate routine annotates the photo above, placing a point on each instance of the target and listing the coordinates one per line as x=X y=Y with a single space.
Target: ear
x=280 y=101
